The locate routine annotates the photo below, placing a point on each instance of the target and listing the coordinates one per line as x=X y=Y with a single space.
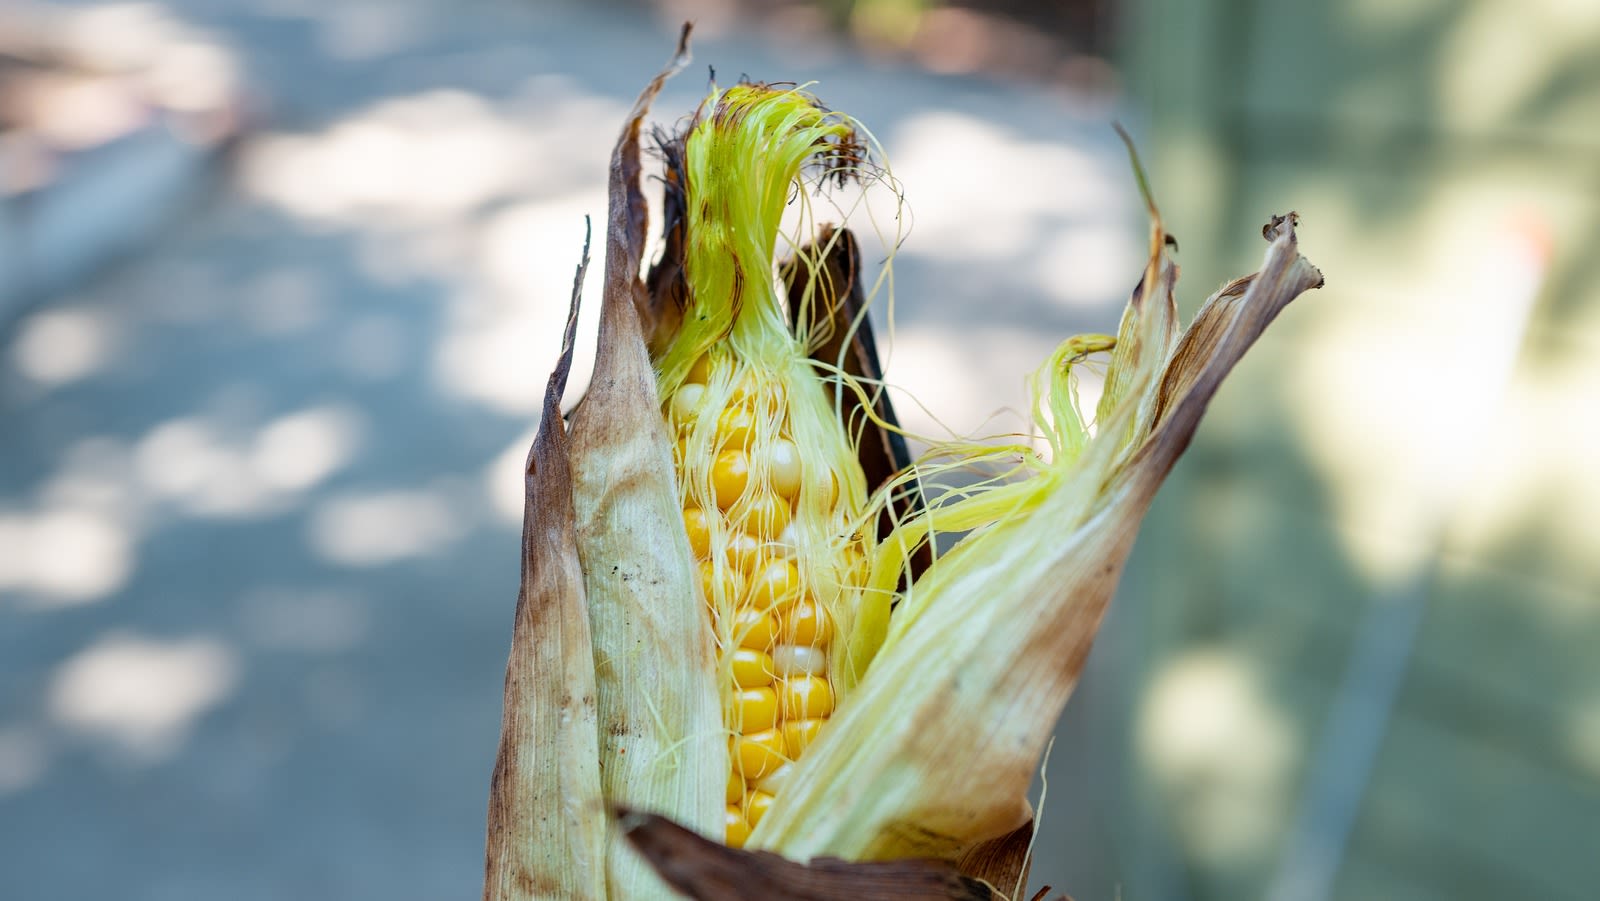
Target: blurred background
x=281 y=281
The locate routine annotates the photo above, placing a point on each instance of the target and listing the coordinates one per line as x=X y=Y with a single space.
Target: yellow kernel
x=698 y=526
x=745 y=553
x=764 y=515
x=758 y=709
x=756 y=805
x=730 y=473
x=759 y=753
x=752 y=669
x=750 y=392
x=773 y=782
x=799 y=660
x=783 y=467
x=686 y=402
x=737 y=829
x=830 y=489
x=735 y=786
x=736 y=425
x=754 y=629
x=700 y=372
x=788 y=543
x=799 y=734
x=720 y=588
x=806 y=623
x=774 y=584
x=805 y=697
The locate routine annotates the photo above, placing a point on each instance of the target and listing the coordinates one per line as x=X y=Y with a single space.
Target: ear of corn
x=770 y=665
x=773 y=496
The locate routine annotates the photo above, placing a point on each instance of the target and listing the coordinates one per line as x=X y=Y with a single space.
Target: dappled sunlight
x=375 y=348
x=141 y=695
x=1540 y=469
x=186 y=68
x=196 y=465
x=983 y=194
x=487 y=196
x=1400 y=447
x=24 y=758
x=503 y=479
x=63 y=557
x=1583 y=734
x=1090 y=264
x=407 y=161
x=1530 y=50
x=945 y=382
x=379 y=528
x=433 y=157
x=307 y=620
x=297 y=451
x=1222 y=751
x=505 y=337
x=285 y=301
x=57 y=347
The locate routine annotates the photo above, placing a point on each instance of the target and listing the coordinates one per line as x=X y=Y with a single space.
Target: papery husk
x=709 y=871
x=936 y=749
x=661 y=740
x=547 y=820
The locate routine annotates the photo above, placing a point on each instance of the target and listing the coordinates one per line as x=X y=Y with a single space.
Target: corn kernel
x=799 y=660
x=758 y=709
x=736 y=426
x=700 y=372
x=752 y=669
x=774 y=585
x=783 y=467
x=756 y=805
x=730 y=473
x=754 y=629
x=736 y=828
x=788 y=542
x=806 y=623
x=773 y=782
x=799 y=734
x=745 y=552
x=735 y=786
x=805 y=697
x=720 y=588
x=759 y=753
x=764 y=515
x=686 y=403
x=698 y=526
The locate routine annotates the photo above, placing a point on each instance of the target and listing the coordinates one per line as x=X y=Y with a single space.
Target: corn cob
x=772 y=492
x=755 y=625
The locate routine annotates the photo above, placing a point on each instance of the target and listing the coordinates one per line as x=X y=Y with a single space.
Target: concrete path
x=258 y=492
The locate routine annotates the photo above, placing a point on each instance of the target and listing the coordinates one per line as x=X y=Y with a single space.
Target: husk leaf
x=661 y=745
x=938 y=746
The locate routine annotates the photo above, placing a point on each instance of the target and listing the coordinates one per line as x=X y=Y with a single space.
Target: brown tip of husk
x=708 y=871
